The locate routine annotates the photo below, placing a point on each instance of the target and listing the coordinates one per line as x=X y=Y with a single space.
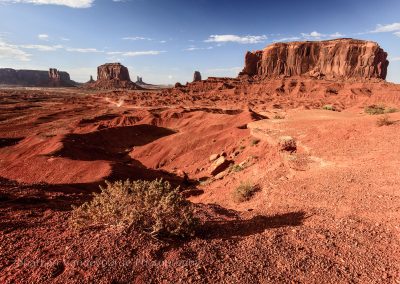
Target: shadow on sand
x=242 y=227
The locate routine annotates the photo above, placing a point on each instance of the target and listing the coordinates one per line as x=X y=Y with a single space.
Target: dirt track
x=327 y=213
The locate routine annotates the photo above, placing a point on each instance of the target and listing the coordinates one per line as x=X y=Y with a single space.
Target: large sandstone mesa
x=112 y=71
x=331 y=59
x=35 y=78
x=113 y=76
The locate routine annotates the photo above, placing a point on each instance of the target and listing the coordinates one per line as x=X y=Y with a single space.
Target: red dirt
x=327 y=213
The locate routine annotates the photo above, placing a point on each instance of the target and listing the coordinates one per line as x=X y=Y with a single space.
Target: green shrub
x=254 y=142
x=277 y=116
x=391 y=110
x=329 y=107
x=147 y=206
x=235 y=168
x=375 y=109
x=244 y=192
x=384 y=121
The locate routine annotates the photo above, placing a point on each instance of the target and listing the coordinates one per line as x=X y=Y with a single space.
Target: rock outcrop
x=112 y=71
x=196 y=76
x=331 y=59
x=91 y=79
x=112 y=76
x=35 y=78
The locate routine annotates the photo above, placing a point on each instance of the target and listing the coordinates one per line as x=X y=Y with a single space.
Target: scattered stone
x=213 y=157
x=219 y=165
x=288 y=144
x=221 y=175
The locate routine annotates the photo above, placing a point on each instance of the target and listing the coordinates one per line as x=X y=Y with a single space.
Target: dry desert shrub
x=147 y=206
x=329 y=107
x=374 y=109
x=244 y=192
x=379 y=109
x=384 y=121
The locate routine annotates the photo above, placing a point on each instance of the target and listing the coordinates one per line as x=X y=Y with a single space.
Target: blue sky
x=164 y=41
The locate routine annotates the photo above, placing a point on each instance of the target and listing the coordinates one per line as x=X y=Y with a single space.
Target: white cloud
x=13 y=52
x=395 y=59
x=387 y=28
x=337 y=34
x=41 y=47
x=43 y=36
x=64 y=39
x=249 y=39
x=68 y=3
x=135 y=53
x=314 y=35
x=294 y=38
x=83 y=50
x=193 y=48
x=136 y=38
x=397 y=34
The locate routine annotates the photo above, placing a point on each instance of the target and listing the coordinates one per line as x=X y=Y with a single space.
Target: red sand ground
x=325 y=214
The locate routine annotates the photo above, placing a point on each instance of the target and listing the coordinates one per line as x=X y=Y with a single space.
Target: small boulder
x=219 y=165
x=221 y=175
x=213 y=157
x=287 y=144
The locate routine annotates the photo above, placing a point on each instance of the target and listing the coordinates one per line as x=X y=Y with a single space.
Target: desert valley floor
x=327 y=213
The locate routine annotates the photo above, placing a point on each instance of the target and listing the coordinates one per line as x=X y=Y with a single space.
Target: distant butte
x=35 y=78
x=113 y=76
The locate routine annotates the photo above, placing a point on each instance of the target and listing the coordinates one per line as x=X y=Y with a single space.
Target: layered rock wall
x=341 y=58
x=112 y=71
x=35 y=78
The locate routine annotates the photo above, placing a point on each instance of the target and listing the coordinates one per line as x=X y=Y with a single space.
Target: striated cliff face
x=111 y=71
x=35 y=78
x=339 y=58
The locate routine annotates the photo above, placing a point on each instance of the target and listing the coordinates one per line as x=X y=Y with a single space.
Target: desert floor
x=327 y=213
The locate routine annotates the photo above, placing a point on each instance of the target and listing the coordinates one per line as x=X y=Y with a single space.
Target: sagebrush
x=244 y=191
x=147 y=206
x=329 y=107
x=379 y=109
x=384 y=121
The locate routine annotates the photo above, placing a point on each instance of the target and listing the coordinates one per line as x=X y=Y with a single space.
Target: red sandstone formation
x=112 y=71
x=113 y=76
x=35 y=78
x=332 y=59
x=196 y=76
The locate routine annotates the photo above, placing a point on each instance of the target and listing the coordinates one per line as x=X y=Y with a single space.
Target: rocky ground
x=325 y=212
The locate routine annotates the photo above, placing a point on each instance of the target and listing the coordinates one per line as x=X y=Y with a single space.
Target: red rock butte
x=110 y=71
x=112 y=76
x=332 y=59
